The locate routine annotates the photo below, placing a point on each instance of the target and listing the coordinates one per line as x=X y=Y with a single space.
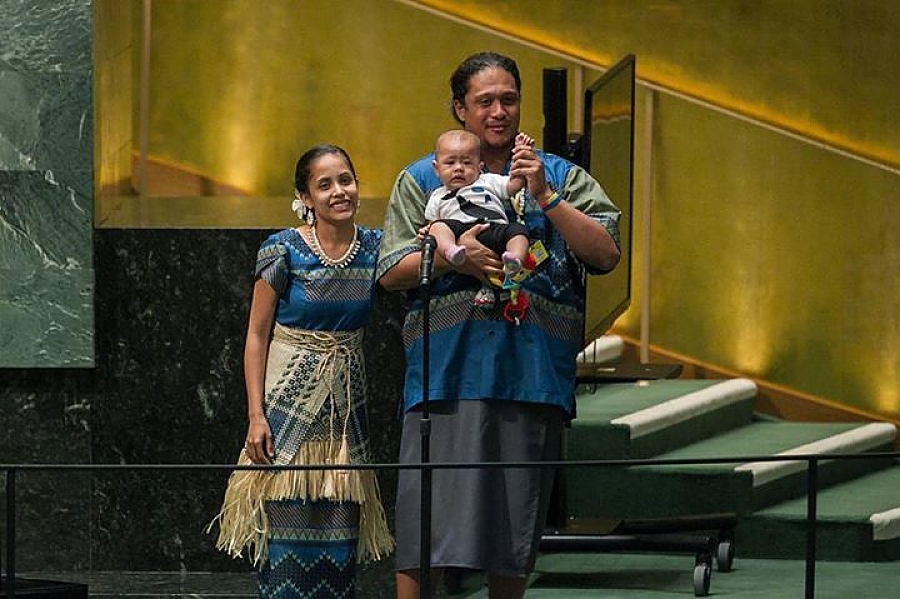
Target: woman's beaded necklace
x=341 y=262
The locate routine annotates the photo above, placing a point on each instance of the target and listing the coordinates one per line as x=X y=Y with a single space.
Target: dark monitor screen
x=607 y=152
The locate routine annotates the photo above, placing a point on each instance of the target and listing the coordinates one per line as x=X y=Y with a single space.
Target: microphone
x=426 y=265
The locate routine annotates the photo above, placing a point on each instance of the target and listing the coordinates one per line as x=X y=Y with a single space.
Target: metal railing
x=812 y=477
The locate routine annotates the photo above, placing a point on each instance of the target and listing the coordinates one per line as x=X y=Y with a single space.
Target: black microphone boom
x=426 y=266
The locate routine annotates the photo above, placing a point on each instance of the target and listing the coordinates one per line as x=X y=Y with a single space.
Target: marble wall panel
x=46 y=184
x=47 y=420
x=46 y=121
x=46 y=36
x=167 y=388
x=46 y=269
x=174 y=306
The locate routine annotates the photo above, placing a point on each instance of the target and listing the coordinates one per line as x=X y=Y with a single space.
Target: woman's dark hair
x=301 y=174
x=459 y=80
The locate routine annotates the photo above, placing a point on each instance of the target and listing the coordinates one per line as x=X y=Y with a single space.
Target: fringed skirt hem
x=244 y=526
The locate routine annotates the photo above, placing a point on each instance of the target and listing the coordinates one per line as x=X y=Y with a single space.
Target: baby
x=468 y=197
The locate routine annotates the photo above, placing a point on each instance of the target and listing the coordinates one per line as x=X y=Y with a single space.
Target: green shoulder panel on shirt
x=405 y=215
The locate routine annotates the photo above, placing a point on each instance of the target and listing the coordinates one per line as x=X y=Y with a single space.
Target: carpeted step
x=670 y=491
x=857 y=520
x=776 y=481
x=607 y=348
x=627 y=420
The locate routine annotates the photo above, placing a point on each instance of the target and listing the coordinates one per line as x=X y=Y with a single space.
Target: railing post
x=11 y=533
x=812 y=489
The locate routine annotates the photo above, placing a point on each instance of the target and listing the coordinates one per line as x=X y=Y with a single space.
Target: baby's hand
x=523 y=139
x=522 y=142
x=423 y=231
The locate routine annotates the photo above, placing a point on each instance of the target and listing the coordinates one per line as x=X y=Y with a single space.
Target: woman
x=303 y=365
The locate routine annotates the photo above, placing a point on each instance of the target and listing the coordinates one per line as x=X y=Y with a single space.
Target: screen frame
x=626 y=63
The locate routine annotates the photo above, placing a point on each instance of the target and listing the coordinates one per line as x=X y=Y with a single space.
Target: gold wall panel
x=239 y=88
x=774 y=258
x=114 y=107
x=825 y=68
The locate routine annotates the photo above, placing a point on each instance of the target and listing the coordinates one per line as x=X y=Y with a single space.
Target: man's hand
x=481 y=262
x=526 y=164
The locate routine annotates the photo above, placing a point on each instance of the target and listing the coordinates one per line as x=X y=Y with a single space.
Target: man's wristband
x=551 y=202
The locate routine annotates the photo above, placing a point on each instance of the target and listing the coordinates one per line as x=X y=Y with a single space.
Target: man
x=499 y=391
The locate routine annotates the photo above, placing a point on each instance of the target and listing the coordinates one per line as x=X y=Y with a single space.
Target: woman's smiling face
x=333 y=192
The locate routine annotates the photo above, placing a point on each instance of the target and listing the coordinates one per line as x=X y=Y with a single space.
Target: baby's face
x=458 y=162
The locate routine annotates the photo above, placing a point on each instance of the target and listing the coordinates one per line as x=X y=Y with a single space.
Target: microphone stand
x=426 y=266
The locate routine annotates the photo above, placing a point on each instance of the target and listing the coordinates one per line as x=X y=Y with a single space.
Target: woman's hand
x=260 y=447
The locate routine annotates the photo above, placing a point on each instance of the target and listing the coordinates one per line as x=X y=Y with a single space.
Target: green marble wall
x=46 y=185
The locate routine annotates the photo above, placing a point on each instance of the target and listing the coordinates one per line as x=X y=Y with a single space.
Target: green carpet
x=844 y=531
x=633 y=576
x=874 y=492
x=772 y=511
x=656 y=491
x=593 y=434
x=610 y=401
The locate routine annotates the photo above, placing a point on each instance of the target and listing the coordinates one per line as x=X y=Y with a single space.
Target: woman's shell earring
x=303 y=212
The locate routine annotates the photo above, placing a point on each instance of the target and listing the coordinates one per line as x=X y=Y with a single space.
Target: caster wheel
x=702 y=575
x=725 y=556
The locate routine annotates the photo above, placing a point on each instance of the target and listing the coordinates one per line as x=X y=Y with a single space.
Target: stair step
x=859 y=500
x=660 y=491
x=607 y=348
x=626 y=420
x=858 y=519
x=685 y=407
x=856 y=440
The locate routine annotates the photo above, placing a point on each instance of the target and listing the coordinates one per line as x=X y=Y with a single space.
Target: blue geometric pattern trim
x=312 y=550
